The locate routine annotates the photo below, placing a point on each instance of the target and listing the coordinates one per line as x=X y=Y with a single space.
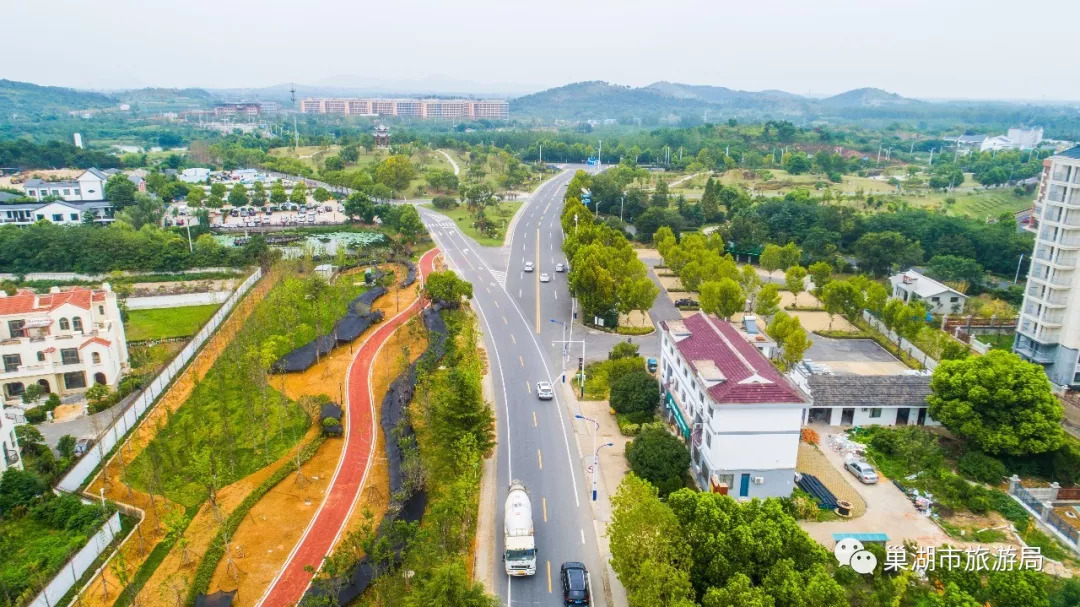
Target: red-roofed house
x=63 y=341
x=741 y=416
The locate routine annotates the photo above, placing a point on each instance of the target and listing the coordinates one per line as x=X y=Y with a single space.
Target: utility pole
x=599 y=155
x=931 y=157
x=622 y=203
x=582 y=366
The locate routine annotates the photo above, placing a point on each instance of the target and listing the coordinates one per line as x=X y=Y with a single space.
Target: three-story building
x=63 y=341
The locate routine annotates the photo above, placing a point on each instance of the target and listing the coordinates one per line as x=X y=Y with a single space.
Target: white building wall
x=9 y=446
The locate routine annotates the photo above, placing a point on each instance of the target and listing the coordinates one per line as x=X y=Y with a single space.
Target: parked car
x=544 y=391
x=545 y=277
x=82 y=446
x=528 y=266
x=862 y=471
x=575 y=583
x=686 y=302
x=560 y=268
x=650 y=364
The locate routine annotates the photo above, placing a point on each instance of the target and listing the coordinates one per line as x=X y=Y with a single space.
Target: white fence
x=75 y=568
x=905 y=345
x=131 y=416
x=78 y=276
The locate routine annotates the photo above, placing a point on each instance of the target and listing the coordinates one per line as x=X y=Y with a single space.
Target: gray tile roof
x=96 y=173
x=869 y=390
x=1071 y=152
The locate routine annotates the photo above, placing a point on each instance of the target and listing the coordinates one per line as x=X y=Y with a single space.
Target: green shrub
x=658 y=457
x=623 y=349
x=981 y=467
x=636 y=392
x=35 y=415
x=52 y=402
x=979 y=504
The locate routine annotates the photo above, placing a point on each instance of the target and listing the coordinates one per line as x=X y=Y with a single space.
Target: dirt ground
x=635 y=319
x=103 y=589
x=65 y=412
x=291 y=505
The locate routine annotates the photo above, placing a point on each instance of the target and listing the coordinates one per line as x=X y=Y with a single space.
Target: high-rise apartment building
x=493 y=109
x=1049 y=329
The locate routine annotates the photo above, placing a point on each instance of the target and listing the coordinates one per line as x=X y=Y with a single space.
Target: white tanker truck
x=518 y=540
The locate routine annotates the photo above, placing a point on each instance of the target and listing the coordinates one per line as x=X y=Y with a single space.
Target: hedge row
x=204 y=573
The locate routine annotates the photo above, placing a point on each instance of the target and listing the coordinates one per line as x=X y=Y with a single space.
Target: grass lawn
x=163 y=323
x=1002 y=341
x=501 y=212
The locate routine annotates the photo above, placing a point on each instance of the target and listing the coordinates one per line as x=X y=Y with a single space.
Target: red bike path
x=319 y=538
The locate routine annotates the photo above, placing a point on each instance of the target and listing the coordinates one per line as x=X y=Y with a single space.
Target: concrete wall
x=888 y=417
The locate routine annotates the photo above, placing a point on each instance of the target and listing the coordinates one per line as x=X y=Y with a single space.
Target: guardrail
x=127 y=420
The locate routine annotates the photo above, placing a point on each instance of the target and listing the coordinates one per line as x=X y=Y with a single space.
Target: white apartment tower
x=1049 y=328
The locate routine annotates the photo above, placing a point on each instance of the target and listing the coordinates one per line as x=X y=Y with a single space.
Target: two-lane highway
x=536 y=441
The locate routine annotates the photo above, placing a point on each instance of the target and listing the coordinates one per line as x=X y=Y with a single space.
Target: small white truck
x=518 y=541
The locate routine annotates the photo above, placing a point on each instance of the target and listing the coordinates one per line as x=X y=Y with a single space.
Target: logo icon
x=851 y=552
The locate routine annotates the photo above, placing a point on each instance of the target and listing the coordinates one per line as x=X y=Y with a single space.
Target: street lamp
x=596 y=450
x=565 y=345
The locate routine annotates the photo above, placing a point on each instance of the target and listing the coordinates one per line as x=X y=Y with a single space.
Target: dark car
x=686 y=302
x=575 y=583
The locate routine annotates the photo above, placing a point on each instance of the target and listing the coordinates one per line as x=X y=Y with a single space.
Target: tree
x=333 y=163
x=660 y=197
x=636 y=294
x=97 y=393
x=478 y=196
x=66 y=446
x=218 y=190
x=841 y=297
x=444 y=203
x=653 y=219
x=299 y=193
x=448 y=584
x=820 y=272
x=635 y=392
x=648 y=547
x=395 y=172
x=737 y=592
x=446 y=287
x=999 y=402
x=350 y=153
x=623 y=349
x=657 y=456
x=358 y=205
x=120 y=191
x=749 y=280
x=794 y=281
x=953 y=268
x=768 y=300
x=195 y=196
x=18 y=488
x=878 y=252
x=409 y=223
x=710 y=206
x=145 y=211
x=277 y=193
x=795 y=345
x=238 y=195
x=722 y=298
x=770 y=258
x=321 y=194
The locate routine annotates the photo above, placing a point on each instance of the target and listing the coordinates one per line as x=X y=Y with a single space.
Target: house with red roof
x=741 y=417
x=63 y=341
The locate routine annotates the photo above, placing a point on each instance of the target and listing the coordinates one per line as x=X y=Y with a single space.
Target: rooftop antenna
x=296 y=133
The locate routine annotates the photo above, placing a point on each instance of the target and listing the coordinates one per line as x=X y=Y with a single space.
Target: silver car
x=528 y=266
x=862 y=471
x=544 y=391
x=545 y=277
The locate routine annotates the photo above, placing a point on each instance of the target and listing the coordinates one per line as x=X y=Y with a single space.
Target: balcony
x=1032 y=352
x=11 y=457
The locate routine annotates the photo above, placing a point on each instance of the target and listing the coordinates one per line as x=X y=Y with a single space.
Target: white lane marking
x=556 y=292
x=582 y=535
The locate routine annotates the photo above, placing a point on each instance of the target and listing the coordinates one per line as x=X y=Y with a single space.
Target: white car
x=560 y=268
x=528 y=266
x=862 y=471
x=545 y=277
x=544 y=391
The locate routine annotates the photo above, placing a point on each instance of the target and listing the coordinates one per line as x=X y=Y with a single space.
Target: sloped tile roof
x=26 y=301
x=96 y=340
x=749 y=377
x=869 y=390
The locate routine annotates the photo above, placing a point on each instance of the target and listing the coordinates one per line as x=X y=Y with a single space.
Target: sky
x=970 y=49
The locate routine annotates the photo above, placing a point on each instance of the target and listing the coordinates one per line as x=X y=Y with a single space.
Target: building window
x=41 y=356
x=64 y=324
x=57 y=217
x=76 y=191
x=15 y=388
x=954 y=299
x=95 y=358
x=101 y=310
x=69 y=356
x=76 y=323
x=74 y=216
x=75 y=380
x=875 y=412
x=67 y=191
x=727 y=480
x=15 y=328
x=12 y=362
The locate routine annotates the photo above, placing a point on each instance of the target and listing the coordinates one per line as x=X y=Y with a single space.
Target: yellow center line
x=534 y=419
x=505 y=322
x=522 y=361
x=543 y=502
x=540 y=459
x=549 y=576
x=538 y=281
x=496 y=302
x=528 y=387
x=512 y=338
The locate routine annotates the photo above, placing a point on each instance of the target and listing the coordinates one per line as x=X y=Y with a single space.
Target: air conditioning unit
x=759 y=480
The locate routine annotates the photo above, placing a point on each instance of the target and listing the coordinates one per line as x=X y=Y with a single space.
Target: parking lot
x=329 y=213
x=854 y=356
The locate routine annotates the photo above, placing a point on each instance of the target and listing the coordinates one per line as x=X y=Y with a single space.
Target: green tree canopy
x=635 y=392
x=999 y=402
x=658 y=457
x=447 y=287
x=722 y=298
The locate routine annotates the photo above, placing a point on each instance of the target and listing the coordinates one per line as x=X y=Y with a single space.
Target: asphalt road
x=536 y=438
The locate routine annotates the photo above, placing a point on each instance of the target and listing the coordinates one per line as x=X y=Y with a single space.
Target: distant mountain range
x=599 y=100
x=23 y=99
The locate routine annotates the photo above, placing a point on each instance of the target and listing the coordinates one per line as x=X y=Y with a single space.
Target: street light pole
x=582 y=366
x=596 y=461
x=622 y=203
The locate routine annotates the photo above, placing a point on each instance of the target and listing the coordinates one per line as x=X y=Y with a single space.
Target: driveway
x=888 y=510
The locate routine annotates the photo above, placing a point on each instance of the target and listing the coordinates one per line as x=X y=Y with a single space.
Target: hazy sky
x=921 y=48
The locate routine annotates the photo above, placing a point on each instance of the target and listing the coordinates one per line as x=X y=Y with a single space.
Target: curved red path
x=289 y=587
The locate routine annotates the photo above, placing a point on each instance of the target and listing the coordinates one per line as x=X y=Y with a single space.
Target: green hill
x=30 y=99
